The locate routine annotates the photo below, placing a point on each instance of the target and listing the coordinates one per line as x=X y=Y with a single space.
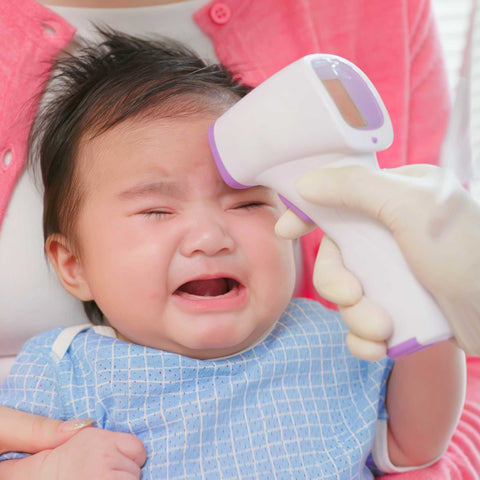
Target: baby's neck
x=108 y=3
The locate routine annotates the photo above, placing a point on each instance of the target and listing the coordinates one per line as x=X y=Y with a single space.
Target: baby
x=196 y=346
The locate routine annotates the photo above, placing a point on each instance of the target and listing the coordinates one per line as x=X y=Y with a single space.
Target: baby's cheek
x=279 y=210
x=281 y=258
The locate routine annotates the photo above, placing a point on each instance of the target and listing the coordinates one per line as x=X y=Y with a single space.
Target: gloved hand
x=439 y=239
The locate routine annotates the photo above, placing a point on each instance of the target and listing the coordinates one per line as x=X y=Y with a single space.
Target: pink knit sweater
x=30 y=36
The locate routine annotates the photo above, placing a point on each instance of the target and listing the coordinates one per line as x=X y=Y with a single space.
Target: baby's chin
x=219 y=344
x=222 y=346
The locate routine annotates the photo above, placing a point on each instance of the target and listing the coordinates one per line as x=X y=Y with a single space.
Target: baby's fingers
x=131 y=447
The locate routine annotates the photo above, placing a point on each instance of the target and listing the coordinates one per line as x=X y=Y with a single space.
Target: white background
x=453 y=19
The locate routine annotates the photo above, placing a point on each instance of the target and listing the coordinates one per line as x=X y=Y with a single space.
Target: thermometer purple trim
x=230 y=181
x=295 y=209
x=406 y=348
x=227 y=178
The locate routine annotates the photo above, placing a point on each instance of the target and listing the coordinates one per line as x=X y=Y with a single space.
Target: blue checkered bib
x=295 y=406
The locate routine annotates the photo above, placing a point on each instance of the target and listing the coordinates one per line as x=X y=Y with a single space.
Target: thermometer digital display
x=349 y=111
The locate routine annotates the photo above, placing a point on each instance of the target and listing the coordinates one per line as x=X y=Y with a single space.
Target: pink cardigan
x=30 y=36
x=394 y=42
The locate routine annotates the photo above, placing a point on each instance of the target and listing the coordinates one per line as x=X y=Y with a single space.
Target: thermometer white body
x=322 y=111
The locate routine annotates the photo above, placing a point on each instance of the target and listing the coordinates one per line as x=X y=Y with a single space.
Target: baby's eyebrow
x=151 y=189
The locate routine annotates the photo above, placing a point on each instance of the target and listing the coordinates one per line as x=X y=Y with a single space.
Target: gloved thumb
x=290 y=226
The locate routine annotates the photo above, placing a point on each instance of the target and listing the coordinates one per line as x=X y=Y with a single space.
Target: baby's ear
x=68 y=267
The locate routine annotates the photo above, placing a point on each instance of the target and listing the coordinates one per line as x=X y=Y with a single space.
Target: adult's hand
x=25 y=432
x=440 y=240
x=67 y=449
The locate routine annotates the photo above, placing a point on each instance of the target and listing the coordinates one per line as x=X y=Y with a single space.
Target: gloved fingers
x=367 y=320
x=381 y=194
x=354 y=188
x=366 y=349
x=374 y=193
x=417 y=170
x=291 y=226
x=330 y=277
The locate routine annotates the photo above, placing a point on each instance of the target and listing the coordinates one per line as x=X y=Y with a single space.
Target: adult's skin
x=439 y=238
x=20 y=431
x=46 y=438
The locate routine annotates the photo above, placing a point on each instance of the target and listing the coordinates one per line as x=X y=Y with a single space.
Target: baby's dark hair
x=102 y=85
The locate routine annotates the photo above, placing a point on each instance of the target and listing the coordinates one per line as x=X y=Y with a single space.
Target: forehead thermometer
x=322 y=111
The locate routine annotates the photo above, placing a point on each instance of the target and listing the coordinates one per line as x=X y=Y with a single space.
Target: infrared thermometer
x=323 y=111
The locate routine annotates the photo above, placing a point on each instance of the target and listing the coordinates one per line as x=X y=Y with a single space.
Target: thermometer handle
x=372 y=254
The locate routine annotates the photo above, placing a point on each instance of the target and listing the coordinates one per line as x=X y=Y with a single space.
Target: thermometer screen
x=350 y=113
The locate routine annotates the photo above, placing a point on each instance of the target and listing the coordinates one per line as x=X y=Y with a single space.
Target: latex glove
x=441 y=243
x=25 y=432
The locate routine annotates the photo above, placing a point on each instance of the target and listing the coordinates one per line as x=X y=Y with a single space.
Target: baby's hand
x=95 y=454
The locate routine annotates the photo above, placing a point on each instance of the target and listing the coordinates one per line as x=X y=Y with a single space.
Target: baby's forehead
x=153 y=148
x=184 y=105
x=179 y=108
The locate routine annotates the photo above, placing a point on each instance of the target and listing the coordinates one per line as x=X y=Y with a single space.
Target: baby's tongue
x=206 y=288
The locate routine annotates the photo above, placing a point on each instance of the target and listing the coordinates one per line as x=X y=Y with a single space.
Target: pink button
x=220 y=13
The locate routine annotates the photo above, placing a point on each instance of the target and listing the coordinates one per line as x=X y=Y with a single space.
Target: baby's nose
x=207 y=235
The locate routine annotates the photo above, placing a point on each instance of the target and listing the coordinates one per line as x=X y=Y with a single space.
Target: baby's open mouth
x=212 y=287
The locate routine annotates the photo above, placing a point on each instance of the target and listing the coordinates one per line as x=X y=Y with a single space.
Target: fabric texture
x=297 y=405
x=29 y=44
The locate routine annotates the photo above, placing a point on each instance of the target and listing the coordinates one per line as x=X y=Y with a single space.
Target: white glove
x=440 y=241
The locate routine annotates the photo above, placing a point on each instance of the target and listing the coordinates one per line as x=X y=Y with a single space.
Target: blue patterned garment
x=295 y=406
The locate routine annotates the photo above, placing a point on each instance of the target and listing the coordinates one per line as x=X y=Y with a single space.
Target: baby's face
x=175 y=258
